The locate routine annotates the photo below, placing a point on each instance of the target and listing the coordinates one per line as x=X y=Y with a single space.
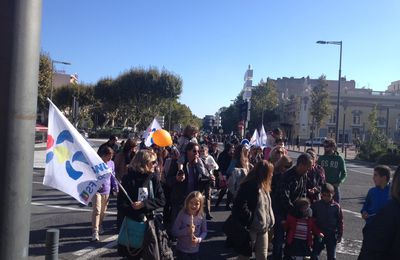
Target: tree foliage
x=320 y=103
x=44 y=82
x=264 y=101
x=377 y=143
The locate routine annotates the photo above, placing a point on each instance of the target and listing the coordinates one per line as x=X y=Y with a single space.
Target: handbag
x=131 y=233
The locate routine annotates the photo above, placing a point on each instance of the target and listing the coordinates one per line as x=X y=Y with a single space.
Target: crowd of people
x=280 y=209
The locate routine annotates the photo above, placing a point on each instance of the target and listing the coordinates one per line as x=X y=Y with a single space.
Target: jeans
x=330 y=242
x=336 y=197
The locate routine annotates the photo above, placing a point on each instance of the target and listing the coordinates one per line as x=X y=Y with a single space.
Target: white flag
x=148 y=135
x=255 y=139
x=263 y=137
x=72 y=166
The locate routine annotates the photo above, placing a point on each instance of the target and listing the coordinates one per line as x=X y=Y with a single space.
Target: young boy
x=377 y=196
x=329 y=219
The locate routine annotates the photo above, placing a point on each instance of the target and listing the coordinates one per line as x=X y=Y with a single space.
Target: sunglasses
x=195 y=151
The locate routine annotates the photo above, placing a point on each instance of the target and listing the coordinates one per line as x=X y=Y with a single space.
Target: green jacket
x=335 y=168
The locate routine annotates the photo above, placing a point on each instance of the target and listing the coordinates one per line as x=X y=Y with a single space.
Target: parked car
x=316 y=141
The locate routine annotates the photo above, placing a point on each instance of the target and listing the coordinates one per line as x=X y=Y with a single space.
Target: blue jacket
x=376 y=199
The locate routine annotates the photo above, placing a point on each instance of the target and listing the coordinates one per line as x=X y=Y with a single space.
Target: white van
x=316 y=141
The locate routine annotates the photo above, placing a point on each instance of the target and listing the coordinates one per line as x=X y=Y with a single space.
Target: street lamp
x=338 y=95
x=52 y=72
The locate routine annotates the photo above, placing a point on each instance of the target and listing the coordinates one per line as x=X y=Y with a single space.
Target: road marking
x=37 y=182
x=92 y=253
x=349 y=247
x=68 y=208
x=356 y=214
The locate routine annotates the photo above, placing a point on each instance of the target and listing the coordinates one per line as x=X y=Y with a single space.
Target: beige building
x=355 y=106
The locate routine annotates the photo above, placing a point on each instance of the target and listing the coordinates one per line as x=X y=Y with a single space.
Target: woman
x=315 y=178
x=123 y=158
x=253 y=210
x=211 y=165
x=101 y=198
x=281 y=166
x=189 y=135
x=382 y=235
x=239 y=168
x=224 y=159
x=188 y=178
x=145 y=191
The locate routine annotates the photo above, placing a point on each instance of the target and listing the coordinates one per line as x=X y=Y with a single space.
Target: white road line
x=356 y=214
x=37 y=182
x=349 y=247
x=93 y=253
x=68 y=208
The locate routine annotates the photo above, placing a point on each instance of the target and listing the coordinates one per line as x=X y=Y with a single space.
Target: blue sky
x=210 y=43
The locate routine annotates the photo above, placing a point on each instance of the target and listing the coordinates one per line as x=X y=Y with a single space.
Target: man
x=334 y=166
x=293 y=186
x=112 y=143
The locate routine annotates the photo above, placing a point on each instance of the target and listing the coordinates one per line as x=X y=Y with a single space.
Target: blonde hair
x=141 y=159
x=198 y=196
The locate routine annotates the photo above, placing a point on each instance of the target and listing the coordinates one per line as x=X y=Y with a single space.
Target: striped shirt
x=301 y=229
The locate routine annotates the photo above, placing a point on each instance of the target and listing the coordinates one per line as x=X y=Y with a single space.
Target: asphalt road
x=54 y=209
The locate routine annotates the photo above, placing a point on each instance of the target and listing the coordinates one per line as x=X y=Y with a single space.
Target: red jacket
x=290 y=228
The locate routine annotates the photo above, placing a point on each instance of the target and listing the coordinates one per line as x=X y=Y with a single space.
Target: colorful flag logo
x=72 y=166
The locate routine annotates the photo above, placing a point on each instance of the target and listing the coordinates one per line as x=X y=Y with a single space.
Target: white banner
x=148 y=135
x=72 y=166
x=263 y=137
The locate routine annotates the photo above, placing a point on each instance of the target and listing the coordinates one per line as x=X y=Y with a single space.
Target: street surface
x=54 y=209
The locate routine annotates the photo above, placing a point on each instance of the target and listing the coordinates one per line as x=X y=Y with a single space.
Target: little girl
x=300 y=227
x=190 y=227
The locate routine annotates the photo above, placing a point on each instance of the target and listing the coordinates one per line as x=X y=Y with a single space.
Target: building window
x=332 y=118
x=356 y=119
x=381 y=122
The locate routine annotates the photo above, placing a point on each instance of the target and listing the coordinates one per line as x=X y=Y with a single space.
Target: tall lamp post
x=338 y=95
x=52 y=74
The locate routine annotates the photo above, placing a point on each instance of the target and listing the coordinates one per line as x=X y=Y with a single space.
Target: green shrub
x=389 y=159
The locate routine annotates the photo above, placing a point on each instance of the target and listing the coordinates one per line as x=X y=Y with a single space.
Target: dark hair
x=304 y=159
x=326 y=187
x=228 y=146
x=299 y=205
x=104 y=150
x=330 y=142
x=383 y=171
x=190 y=146
x=190 y=130
x=396 y=185
x=129 y=144
x=113 y=137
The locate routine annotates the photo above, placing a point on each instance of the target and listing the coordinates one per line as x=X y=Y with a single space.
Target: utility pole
x=20 y=24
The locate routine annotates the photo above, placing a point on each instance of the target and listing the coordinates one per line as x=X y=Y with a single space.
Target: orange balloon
x=162 y=138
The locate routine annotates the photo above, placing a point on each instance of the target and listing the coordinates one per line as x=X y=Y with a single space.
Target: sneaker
x=95 y=236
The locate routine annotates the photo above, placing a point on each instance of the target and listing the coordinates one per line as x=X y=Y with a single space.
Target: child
x=299 y=227
x=377 y=196
x=190 y=227
x=329 y=219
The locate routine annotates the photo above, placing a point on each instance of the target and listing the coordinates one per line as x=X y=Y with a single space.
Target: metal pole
x=338 y=95
x=52 y=237
x=51 y=80
x=20 y=24
x=343 y=135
